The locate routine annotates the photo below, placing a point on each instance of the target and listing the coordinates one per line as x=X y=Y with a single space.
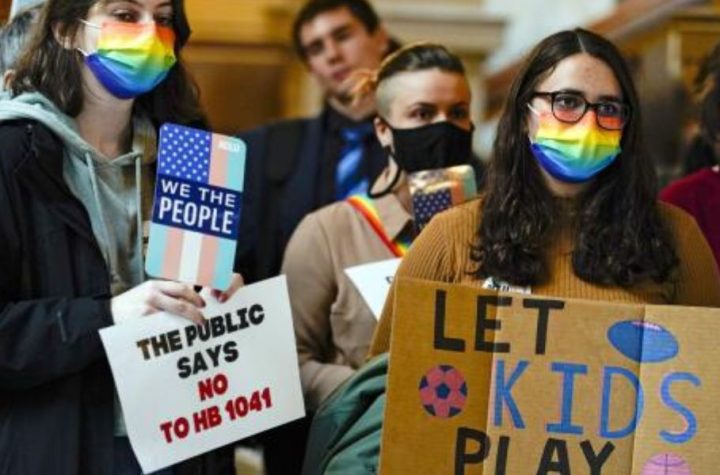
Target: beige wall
x=237 y=62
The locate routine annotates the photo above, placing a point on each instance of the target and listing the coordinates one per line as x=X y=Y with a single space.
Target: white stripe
x=190 y=262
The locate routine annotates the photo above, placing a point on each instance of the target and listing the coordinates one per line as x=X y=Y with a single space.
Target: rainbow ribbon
x=366 y=207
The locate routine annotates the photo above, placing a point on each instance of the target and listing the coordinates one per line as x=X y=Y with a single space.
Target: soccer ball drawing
x=443 y=391
x=666 y=464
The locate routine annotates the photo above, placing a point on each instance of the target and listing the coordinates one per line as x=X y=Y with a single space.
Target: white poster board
x=187 y=389
x=373 y=282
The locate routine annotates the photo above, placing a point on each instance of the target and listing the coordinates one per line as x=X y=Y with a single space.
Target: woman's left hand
x=223 y=295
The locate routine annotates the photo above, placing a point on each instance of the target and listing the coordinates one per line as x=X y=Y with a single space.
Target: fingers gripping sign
x=156 y=296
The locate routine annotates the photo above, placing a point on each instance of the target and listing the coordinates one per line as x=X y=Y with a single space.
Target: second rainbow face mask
x=574 y=153
x=131 y=58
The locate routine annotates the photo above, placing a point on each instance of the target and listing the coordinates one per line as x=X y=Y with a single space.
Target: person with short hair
x=423 y=123
x=570 y=206
x=297 y=166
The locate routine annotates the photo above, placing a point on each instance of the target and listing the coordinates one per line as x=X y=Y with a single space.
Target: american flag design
x=196 y=211
x=434 y=191
x=428 y=204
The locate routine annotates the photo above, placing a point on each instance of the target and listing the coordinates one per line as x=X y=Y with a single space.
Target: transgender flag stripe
x=185 y=254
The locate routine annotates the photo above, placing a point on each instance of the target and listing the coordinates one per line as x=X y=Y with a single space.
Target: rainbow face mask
x=131 y=58
x=574 y=153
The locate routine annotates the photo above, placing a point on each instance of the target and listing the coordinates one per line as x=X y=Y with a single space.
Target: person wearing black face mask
x=441 y=144
x=423 y=101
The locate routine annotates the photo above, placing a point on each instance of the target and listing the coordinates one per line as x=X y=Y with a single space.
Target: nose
x=441 y=116
x=590 y=116
x=332 y=52
x=146 y=17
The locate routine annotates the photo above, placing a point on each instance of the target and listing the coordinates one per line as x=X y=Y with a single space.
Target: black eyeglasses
x=570 y=107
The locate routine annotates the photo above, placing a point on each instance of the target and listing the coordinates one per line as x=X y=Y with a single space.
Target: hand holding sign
x=231 y=377
x=156 y=296
x=235 y=284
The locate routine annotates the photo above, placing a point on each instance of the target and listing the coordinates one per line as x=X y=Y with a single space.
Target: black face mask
x=438 y=145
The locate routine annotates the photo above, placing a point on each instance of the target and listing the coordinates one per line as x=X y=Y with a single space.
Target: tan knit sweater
x=442 y=253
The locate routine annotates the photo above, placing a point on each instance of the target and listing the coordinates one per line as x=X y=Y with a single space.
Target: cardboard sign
x=196 y=212
x=187 y=389
x=487 y=383
x=373 y=282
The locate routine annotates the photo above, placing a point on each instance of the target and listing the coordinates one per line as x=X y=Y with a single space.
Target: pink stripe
x=218 y=163
x=208 y=257
x=173 y=252
x=457 y=193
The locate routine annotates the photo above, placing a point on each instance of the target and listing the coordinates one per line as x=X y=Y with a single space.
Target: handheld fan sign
x=198 y=198
x=436 y=190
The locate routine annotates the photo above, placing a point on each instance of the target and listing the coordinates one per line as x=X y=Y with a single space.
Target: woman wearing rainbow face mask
x=76 y=184
x=570 y=208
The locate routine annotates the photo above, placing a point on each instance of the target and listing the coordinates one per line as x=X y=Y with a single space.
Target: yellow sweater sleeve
x=441 y=253
x=698 y=279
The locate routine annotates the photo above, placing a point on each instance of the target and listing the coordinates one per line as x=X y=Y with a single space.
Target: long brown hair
x=620 y=237
x=53 y=70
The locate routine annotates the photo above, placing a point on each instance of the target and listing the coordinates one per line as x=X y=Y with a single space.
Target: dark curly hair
x=620 y=237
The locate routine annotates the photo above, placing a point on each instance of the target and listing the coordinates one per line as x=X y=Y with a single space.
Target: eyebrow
x=610 y=98
x=135 y=2
x=604 y=97
x=340 y=29
x=430 y=104
x=422 y=104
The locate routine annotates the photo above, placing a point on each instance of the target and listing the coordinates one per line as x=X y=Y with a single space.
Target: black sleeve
x=45 y=339
x=39 y=343
x=245 y=257
x=272 y=155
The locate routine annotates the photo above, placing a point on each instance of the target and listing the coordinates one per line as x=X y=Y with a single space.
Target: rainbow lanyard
x=365 y=206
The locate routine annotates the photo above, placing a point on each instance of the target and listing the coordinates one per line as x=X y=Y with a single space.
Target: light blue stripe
x=156 y=250
x=224 y=263
x=236 y=167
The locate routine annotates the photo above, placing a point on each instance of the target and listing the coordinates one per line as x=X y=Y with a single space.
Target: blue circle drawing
x=643 y=342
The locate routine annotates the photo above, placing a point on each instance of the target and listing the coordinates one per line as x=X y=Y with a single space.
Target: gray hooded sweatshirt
x=117 y=193
x=112 y=190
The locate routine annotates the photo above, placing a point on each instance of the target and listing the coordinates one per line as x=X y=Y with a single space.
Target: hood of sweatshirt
x=116 y=192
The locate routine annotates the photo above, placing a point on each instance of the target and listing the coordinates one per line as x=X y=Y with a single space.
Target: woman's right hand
x=156 y=296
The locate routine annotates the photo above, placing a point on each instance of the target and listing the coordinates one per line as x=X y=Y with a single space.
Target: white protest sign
x=373 y=282
x=188 y=389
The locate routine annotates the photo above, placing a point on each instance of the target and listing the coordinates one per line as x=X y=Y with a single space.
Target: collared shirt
x=374 y=159
x=333 y=323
